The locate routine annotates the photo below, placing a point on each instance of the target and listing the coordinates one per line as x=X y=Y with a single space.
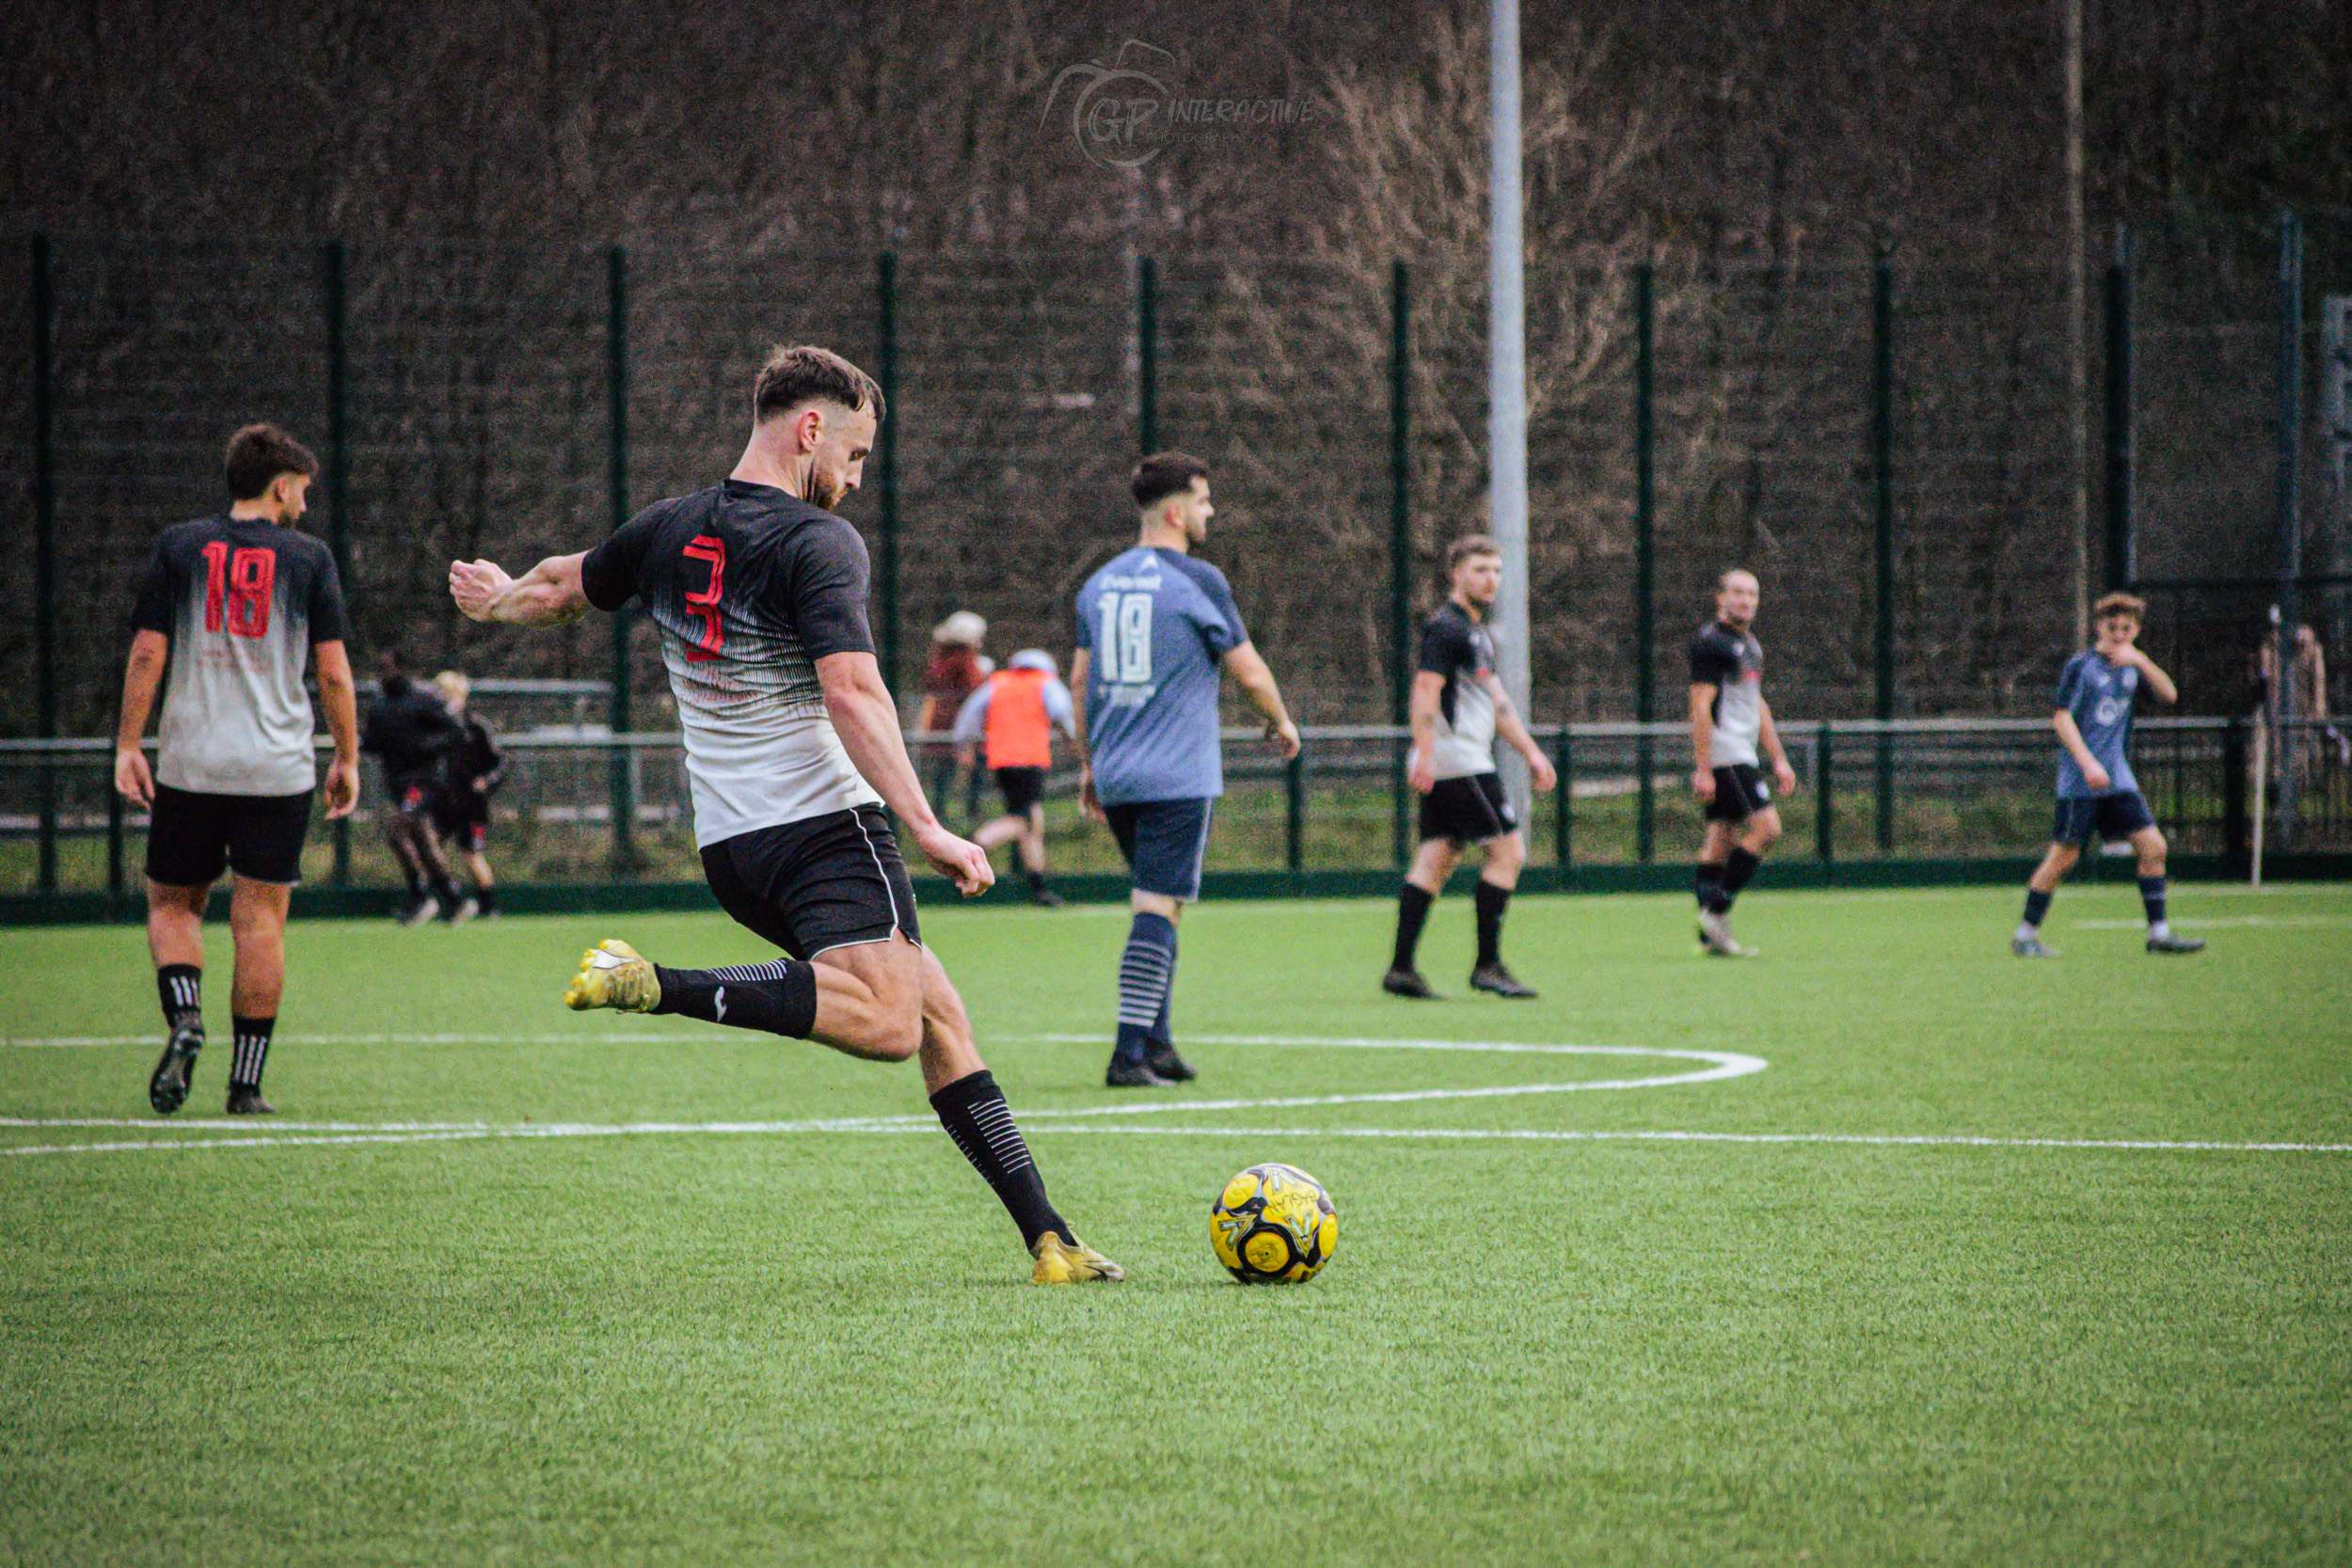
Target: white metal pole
x=1506 y=376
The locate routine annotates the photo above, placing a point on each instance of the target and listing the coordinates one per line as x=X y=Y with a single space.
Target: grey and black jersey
x=242 y=600
x=750 y=587
x=1732 y=662
x=1458 y=646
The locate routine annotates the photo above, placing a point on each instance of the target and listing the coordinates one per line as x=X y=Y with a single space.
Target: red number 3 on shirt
x=705 y=604
x=240 y=582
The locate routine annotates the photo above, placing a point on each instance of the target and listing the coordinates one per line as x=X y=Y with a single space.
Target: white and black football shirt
x=1732 y=662
x=1458 y=646
x=750 y=587
x=242 y=600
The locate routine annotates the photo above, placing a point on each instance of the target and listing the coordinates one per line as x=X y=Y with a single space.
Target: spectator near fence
x=1013 y=717
x=956 y=669
x=410 y=734
x=471 y=772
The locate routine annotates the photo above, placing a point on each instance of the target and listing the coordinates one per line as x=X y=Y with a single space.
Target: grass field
x=1988 y=1261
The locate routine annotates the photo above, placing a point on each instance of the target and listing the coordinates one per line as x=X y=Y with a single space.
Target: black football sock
x=1412 y=913
x=974 y=1112
x=488 y=897
x=180 y=989
x=779 y=997
x=245 y=1068
x=1145 y=972
x=1708 y=882
x=445 y=889
x=1163 y=1032
x=1736 y=870
x=415 y=879
x=2151 y=900
x=2037 y=906
x=1491 y=901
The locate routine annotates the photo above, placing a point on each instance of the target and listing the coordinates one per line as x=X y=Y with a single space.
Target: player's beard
x=824 y=491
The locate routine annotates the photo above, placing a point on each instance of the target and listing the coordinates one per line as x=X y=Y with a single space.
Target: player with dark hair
x=411 y=734
x=1013 y=716
x=793 y=750
x=1458 y=708
x=1155 y=627
x=1729 y=719
x=470 y=775
x=2097 y=795
x=236 y=602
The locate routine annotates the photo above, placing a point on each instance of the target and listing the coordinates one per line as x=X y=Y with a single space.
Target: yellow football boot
x=1060 y=1262
x=613 y=974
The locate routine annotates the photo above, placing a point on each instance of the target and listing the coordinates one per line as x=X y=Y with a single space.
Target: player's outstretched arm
x=548 y=595
x=141 y=674
x=1257 y=682
x=1702 y=739
x=866 y=720
x=1514 y=731
x=338 y=696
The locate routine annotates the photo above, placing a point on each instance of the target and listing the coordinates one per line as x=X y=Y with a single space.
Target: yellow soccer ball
x=1273 y=1224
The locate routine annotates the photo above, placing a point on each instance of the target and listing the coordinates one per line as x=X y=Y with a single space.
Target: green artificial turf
x=696 y=1345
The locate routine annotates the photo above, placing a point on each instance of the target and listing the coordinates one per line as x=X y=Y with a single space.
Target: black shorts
x=462 y=817
x=1165 y=843
x=830 y=881
x=193 y=836
x=2110 y=817
x=1740 y=792
x=1472 y=810
x=1022 y=788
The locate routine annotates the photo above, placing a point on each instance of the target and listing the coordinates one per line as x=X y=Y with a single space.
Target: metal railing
x=1868 y=790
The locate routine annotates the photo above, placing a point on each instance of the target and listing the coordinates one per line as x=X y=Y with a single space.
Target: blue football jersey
x=2100 y=696
x=1155 y=623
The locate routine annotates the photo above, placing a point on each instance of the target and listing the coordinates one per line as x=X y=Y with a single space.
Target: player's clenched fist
x=476 y=586
x=960 y=860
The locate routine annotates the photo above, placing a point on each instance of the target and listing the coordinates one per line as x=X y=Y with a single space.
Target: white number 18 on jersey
x=1123 y=640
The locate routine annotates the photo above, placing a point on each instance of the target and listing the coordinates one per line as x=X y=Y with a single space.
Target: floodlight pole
x=1506 y=378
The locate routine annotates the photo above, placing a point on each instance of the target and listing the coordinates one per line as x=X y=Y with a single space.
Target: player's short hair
x=1724 y=582
x=1164 y=474
x=2120 y=604
x=798 y=373
x=258 y=455
x=454 y=687
x=1466 y=546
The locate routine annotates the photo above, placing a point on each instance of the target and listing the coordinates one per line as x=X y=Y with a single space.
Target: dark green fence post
x=1148 y=354
x=2237 y=839
x=1564 y=807
x=1825 y=794
x=623 y=793
x=2122 y=431
x=1882 y=470
x=1645 y=552
x=45 y=553
x=886 y=458
x=1294 y=814
x=1401 y=657
x=338 y=474
x=2286 y=430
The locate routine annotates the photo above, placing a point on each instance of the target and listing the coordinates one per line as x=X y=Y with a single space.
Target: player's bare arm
x=1420 y=769
x=338 y=697
x=1249 y=672
x=1080 y=663
x=1514 y=729
x=548 y=595
x=1702 y=739
x=2160 y=684
x=867 y=719
x=142 y=673
x=1769 y=732
x=2070 y=738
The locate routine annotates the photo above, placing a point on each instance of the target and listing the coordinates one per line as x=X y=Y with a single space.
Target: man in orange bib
x=1014 y=712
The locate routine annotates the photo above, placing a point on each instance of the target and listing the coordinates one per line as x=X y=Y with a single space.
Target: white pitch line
x=912 y=1124
x=2279 y=921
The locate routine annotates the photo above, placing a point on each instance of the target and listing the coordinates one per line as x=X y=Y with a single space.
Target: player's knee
x=2152 y=851
x=1763 y=834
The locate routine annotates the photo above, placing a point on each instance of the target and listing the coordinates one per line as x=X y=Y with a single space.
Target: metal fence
x=1908 y=792
x=1886 y=442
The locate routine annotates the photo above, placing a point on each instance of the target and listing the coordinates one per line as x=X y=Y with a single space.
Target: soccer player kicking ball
x=1154 y=629
x=237 y=602
x=1458 y=706
x=792 y=749
x=1729 y=717
x=2097 y=794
